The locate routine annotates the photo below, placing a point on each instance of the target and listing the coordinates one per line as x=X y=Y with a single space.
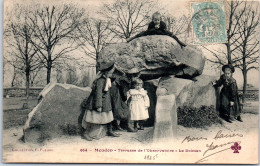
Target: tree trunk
x=48 y=74
x=27 y=74
x=229 y=53
x=32 y=83
x=244 y=85
x=97 y=65
x=49 y=66
x=14 y=76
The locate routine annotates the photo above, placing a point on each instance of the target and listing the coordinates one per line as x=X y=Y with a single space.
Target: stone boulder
x=174 y=92
x=151 y=87
x=156 y=56
x=56 y=114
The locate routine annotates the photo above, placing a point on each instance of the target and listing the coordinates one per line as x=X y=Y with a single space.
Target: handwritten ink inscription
x=216 y=148
x=151 y=157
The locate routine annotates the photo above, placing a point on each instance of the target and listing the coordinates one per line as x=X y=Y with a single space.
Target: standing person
x=120 y=109
x=124 y=86
x=138 y=102
x=98 y=109
x=157 y=27
x=229 y=100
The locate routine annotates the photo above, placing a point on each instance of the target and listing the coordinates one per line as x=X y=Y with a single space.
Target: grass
x=15 y=103
x=251 y=107
x=15 y=118
x=14 y=114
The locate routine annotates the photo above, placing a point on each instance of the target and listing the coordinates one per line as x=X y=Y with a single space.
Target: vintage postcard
x=131 y=81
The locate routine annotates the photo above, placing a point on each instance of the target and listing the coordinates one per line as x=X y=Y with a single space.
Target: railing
x=250 y=94
x=21 y=92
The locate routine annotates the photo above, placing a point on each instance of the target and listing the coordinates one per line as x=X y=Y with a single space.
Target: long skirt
x=98 y=117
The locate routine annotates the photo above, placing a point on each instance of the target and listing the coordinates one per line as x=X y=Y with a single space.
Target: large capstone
x=156 y=56
x=56 y=114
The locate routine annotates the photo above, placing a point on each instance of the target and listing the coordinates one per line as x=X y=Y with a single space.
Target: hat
x=133 y=71
x=228 y=66
x=106 y=66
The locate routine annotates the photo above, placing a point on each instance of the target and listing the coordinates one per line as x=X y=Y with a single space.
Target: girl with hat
x=229 y=101
x=98 y=109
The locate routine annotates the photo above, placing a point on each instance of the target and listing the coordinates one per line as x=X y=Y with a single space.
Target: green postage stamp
x=208 y=22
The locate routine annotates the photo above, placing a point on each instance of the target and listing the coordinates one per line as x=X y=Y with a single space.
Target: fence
x=21 y=92
x=250 y=94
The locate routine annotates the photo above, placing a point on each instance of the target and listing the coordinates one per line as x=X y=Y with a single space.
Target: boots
x=85 y=136
x=135 y=125
x=129 y=128
x=228 y=119
x=110 y=132
x=118 y=127
x=239 y=118
x=141 y=124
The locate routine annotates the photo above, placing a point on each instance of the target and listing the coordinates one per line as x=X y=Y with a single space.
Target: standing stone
x=174 y=92
x=165 y=126
x=56 y=114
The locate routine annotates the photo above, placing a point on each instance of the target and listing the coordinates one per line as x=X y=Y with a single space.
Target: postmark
x=208 y=22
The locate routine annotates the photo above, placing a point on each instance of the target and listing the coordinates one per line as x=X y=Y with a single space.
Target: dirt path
x=12 y=135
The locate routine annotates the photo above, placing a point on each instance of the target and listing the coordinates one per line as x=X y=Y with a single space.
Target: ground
x=15 y=118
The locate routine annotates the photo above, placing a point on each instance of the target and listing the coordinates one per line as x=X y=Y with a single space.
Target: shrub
x=197 y=117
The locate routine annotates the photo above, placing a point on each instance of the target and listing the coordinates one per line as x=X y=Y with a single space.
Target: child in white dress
x=138 y=102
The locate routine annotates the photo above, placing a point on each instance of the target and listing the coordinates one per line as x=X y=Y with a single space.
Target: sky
x=171 y=7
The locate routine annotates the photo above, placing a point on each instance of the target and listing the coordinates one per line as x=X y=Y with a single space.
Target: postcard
x=130 y=81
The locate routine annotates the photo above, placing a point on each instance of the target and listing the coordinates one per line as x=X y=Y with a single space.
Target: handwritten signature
x=212 y=146
x=189 y=139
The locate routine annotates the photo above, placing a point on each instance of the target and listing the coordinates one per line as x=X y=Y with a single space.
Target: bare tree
x=71 y=76
x=127 y=17
x=233 y=29
x=52 y=27
x=93 y=35
x=59 y=76
x=33 y=75
x=178 y=26
x=18 y=36
x=243 y=43
x=246 y=56
x=17 y=78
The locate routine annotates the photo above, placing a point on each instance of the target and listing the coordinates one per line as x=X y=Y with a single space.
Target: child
x=98 y=109
x=229 y=101
x=138 y=102
x=157 y=27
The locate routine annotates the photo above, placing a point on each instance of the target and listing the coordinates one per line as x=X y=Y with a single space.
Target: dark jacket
x=161 y=28
x=98 y=97
x=229 y=93
x=119 y=107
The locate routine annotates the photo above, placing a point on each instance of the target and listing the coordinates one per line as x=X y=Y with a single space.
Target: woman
x=229 y=101
x=98 y=109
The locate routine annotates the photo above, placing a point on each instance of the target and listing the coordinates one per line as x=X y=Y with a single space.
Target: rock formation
x=56 y=113
x=156 y=56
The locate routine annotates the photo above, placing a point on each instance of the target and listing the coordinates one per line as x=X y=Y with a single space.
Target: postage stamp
x=208 y=22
